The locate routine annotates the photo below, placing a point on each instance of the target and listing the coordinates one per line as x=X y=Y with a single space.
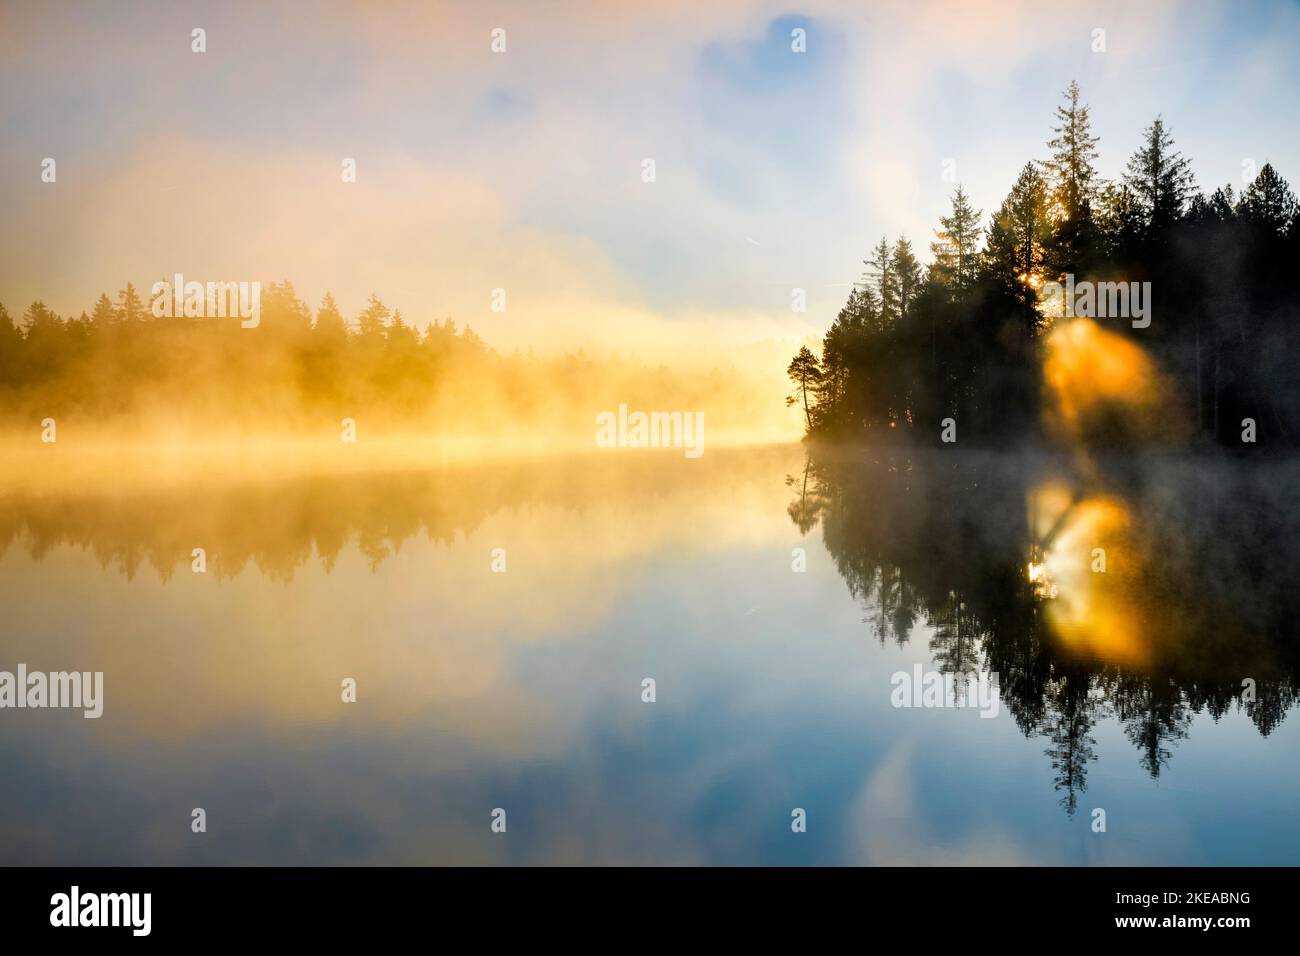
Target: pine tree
x=1160 y=179
x=907 y=276
x=1017 y=237
x=881 y=266
x=329 y=320
x=864 y=308
x=282 y=310
x=39 y=320
x=1268 y=202
x=104 y=313
x=400 y=334
x=1121 y=224
x=1075 y=245
x=835 y=361
x=131 y=308
x=806 y=373
x=1222 y=205
x=373 y=319
x=956 y=253
x=1074 y=150
x=45 y=345
x=1016 y=251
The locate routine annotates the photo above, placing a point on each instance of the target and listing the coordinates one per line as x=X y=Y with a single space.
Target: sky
x=522 y=170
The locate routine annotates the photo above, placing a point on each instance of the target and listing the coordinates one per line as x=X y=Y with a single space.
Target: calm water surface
x=1119 y=690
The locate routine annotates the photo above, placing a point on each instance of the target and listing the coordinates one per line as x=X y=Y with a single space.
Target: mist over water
x=522 y=689
x=860 y=434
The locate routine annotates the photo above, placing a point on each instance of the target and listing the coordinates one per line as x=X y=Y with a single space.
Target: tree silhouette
x=1268 y=203
x=130 y=308
x=1075 y=244
x=963 y=336
x=1160 y=180
x=806 y=374
x=956 y=251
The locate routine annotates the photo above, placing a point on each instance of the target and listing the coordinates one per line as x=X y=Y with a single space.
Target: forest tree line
x=120 y=358
x=121 y=366
x=963 y=337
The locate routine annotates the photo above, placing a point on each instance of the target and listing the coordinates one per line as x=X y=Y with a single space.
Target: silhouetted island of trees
x=964 y=336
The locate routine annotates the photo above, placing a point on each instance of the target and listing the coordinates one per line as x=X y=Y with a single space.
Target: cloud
x=522 y=170
x=888 y=829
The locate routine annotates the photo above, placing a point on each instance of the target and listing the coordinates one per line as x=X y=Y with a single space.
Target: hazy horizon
x=522 y=170
x=616 y=433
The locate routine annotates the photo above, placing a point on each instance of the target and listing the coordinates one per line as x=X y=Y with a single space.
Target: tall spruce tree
x=907 y=276
x=1070 y=169
x=1074 y=182
x=956 y=249
x=1016 y=251
x=1160 y=180
x=104 y=313
x=329 y=320
x=881 y=269
x=131 y=308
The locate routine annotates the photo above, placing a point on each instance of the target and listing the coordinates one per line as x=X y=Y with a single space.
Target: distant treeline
x=964 y=336
x=122 y=366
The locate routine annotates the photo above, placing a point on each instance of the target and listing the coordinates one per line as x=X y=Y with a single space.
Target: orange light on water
x=1092 y=611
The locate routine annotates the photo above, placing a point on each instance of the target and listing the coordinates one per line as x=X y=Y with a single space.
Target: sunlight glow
x=1092 y=374
x=1092 y=611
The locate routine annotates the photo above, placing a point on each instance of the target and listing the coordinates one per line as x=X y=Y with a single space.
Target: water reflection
x=523 y=690
x=1160 y=592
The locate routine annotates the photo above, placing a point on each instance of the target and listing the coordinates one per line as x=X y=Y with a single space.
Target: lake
x=499 y=622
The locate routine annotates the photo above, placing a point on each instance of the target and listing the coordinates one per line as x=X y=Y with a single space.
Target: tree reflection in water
x=1150 y=595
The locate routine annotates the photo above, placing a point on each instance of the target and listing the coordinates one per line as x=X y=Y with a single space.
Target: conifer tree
x=329 y=320
x=1268 y=202
x=956 y=251
x=907 y=276
x=131 y=308
x=881 y=269
x=806 y=373
x=1075 y=243
x=104 y=313
x=1160 y=180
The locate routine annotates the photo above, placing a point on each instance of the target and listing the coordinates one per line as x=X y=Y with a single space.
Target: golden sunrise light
x=573 y=436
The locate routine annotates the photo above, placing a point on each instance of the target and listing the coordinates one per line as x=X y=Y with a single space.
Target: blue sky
x=521 y=170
